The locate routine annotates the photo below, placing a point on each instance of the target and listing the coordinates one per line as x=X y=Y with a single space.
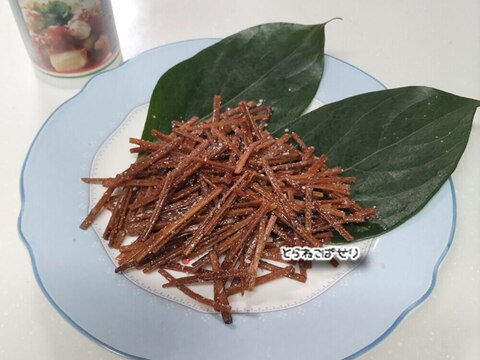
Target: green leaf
x=279 y=63
x=55 y=12
x=400 y=144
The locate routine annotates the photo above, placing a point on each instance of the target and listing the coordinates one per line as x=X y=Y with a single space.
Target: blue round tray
x=77 y=277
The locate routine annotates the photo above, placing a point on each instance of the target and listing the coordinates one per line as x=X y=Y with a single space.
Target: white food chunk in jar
x=79 y=29
x=69 y=60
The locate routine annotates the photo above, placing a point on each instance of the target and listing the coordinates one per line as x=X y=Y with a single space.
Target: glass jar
x=68 y=39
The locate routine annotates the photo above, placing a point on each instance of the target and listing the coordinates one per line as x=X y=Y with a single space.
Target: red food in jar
x=59 y=39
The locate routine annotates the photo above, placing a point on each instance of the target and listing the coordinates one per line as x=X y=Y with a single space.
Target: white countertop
x=433 y=43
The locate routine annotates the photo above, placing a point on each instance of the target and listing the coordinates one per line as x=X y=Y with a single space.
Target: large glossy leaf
x=400 y=144
x=280 y=63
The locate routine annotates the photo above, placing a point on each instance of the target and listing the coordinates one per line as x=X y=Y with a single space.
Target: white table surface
x=429 y=42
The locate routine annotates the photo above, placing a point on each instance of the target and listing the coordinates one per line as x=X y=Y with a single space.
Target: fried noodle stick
x=217 y=198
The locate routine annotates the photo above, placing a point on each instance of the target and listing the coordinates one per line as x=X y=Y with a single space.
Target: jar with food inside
x=70 y=38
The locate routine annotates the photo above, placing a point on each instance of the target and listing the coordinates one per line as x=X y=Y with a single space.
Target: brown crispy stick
x=185 y=192
x=190 y=122
x=161 y=136
x=308 y=208
x=292 y=166
x=182 y=268
x=115 y=214
x=158 y=207
x=324 y=236
x=334 y=262
x=143 y=182
x=300 y=142
x=340 y=189
x=274 y=254
x=319 y=162
x=246 y=134
x=333 y=179
x=170 y=231
x=337 y=226
x=304 y=266
x=97 y=208
x=88 y=180
x=251 y=121
x=195 y=296
x=186 y=173
x=361 y=215
x=262 y=239
x=146 y=145
x=309 y=153
x=264 y=145
x=243 y=159
x=263 y=192
x=292 y=275
x=247 y=204
x=222 y=207
x=143 y=163
x=297 y=227
x=187 y=135
x=233 y=254
x=216 y=108
x=230 y=143
x=219 y=248
x=250 y=249
x=331 y=172
x=117 y=234
x=220 y=296
x=239 y=212
x=287 y=240
x=181 y=203
x=264 y=279
x=239 y=265
x=283 y=139
x=215 y=240
x=218 y=124
x=329 y=210
x=206 y=276
x=284 y=159
x=216 y=164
